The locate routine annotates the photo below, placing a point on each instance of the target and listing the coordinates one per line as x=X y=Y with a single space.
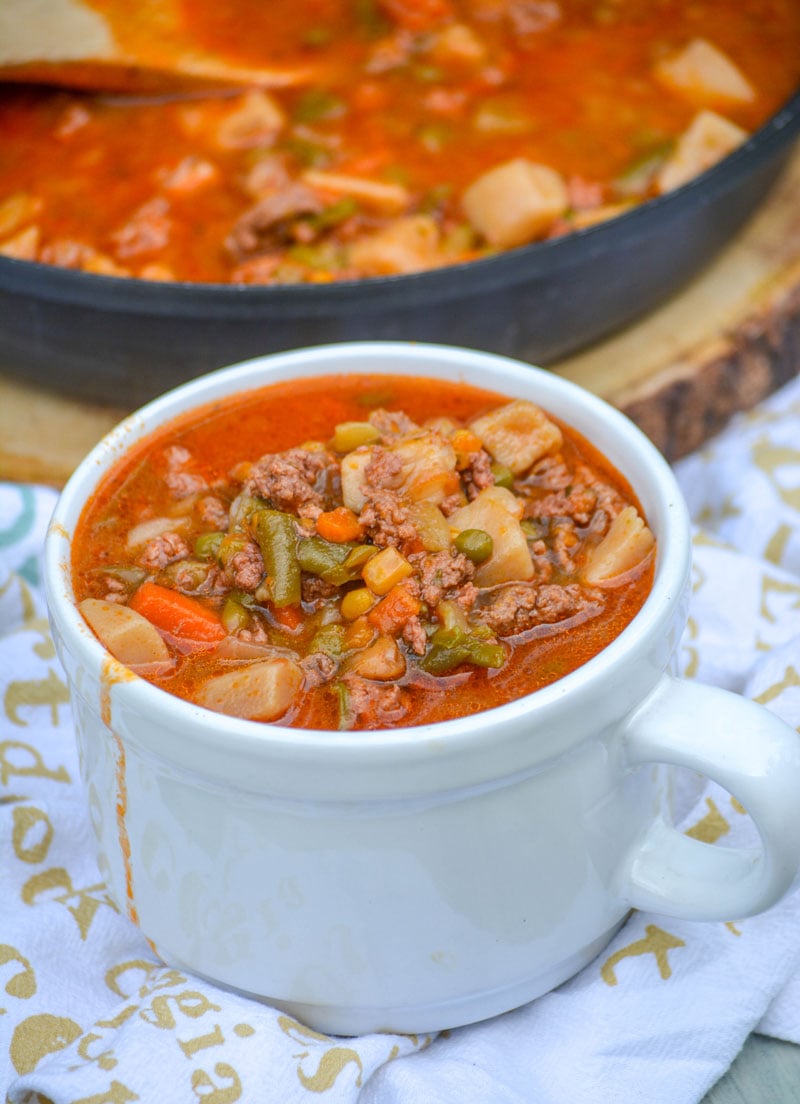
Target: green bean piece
x=328 y=639
x=533 y=530
x=185 y=575
x=130 y=577
x=234 y=616
x=503 y=476
x=276 y=536
x=334 y=563
x=230 y=544
x=476 y=544
x=339 y=689
x=452 y=647
x=206 y=547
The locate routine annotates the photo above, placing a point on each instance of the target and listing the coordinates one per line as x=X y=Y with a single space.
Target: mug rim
x=391 y=358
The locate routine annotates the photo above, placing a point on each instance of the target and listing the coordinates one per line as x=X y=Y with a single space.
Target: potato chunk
x=262 y=691
x=382 y=660
x=427 y=473
x=702 y=72
x=510 y=560
x=708 y=139
x=409 y=244
x=517 y=434
x=130 y=638
x=429 y=464
x=625 y=545
x=515 y=203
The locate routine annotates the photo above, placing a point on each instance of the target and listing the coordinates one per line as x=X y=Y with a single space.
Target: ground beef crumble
x=517 y=607
x=163 y=550
x=296 y=481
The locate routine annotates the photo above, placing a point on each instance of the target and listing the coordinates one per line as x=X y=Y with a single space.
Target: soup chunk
x=361 y=552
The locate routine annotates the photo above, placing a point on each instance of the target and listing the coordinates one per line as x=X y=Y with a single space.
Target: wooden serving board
x=726 y=341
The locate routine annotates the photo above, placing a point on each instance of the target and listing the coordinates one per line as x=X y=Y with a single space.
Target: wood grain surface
x=727 y=340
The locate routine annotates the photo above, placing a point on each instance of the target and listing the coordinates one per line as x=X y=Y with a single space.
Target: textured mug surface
x=422 y=878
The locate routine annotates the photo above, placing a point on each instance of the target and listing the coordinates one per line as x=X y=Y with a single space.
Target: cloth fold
x=88 y=1013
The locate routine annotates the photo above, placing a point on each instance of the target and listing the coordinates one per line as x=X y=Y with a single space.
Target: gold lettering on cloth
x=656 y=942
x=711 y=827
x=22 y=983
x=82 y=904
x=38 y=1036
x=216 y=1095
x=188 y=1003
x=776 y=545
x=693 y=661
x=729 y=924
x=116 y=1093
x=769 y=458
x=333 y=1060
x=190 y=1047
x=21 y=759
x=32 y=834
x=105 y=1059
x=50 y=691
x=771 y=587
x=790 y=679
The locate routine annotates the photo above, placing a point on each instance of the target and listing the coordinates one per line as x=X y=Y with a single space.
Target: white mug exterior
x=422 y=878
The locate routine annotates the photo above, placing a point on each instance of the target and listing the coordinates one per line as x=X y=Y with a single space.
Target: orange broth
x=222 y=435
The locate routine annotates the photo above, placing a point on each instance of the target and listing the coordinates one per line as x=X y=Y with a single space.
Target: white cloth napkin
x=88 y=1014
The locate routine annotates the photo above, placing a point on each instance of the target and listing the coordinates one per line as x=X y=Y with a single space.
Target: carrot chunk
x=177 y=614
x=339 y=525
x=392 y=612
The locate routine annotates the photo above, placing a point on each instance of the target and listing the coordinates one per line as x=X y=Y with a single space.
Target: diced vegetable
x=385 y=570
x=339 y=525
x=515 y=202
x=382 y=196
x=335 y=563
x=450 y=648
x=517 y=434
x=703 y=73
x=432 y=526
x=277 y=539
x=510 y=559
x=356 y=603
x=409 y=244
x=177 y=614
x=328 y=639
x=129 y=636
x=353 y=474
x=708 y=139
x=627 y=542
x=381 y=660
x=349 y=435
x=207 y=545
x=393 y=611
x=429 y=467
x=262 y=691
x=476 y=544
x=234 y=616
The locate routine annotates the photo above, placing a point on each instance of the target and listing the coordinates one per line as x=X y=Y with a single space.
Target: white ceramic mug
x=422 y=878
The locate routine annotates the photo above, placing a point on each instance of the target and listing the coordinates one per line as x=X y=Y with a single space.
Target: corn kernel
x=356 y=603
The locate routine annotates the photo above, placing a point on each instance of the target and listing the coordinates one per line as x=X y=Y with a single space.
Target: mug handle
x=752 y=754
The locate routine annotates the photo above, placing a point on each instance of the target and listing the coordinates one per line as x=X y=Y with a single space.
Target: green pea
x=503 y=476
x=476 y=544
x=207 y=545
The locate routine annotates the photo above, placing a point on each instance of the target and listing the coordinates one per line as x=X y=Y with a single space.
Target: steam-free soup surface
x=361 y=552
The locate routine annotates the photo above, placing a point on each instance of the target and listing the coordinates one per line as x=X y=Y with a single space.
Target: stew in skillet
x=433 y=132
x=361 y=552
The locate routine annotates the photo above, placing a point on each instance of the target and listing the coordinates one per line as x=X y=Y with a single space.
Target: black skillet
x=123 y=340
